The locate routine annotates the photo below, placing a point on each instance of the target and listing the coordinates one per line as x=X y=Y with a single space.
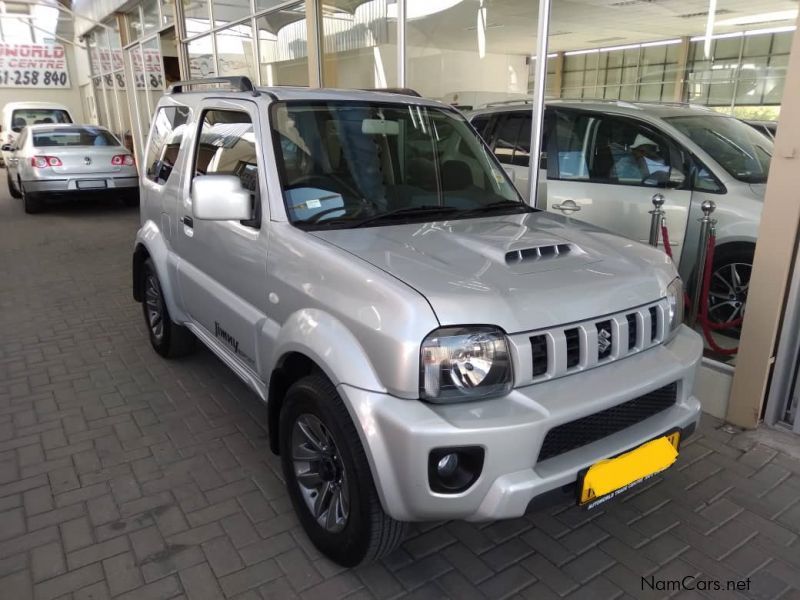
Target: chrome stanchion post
x=656 y=218
x=706 y=227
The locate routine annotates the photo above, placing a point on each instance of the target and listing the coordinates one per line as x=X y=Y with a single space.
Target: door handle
x=567 y=205
x=188 y=221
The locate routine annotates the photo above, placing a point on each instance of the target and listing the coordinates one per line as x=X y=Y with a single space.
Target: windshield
x=37 y=116
x=347 y=164
x=741 y=150
x=73 y=136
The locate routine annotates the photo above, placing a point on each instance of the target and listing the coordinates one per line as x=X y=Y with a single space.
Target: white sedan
x=69 y=161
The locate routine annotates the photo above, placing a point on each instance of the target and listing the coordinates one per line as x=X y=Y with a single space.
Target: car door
x=606 y=170
x=222 y=266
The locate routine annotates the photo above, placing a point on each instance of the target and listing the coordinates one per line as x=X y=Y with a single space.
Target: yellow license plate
x=608 y=478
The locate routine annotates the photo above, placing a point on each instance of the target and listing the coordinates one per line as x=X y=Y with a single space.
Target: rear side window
x=73 y=136
x=480 y=124
x=169 y=125
x=22 y=117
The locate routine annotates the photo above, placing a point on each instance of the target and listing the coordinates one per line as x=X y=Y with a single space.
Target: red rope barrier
x=702 y=313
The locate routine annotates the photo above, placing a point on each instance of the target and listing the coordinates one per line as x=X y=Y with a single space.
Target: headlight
x=675 y=304
x=464 y=363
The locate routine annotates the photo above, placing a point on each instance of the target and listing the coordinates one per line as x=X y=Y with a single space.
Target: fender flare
x=321 y=337
x=150 y=239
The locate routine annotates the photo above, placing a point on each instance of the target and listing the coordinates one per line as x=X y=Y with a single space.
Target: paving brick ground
x=125 y=475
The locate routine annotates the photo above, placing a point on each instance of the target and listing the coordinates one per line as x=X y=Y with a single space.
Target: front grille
x=653 y=323
x=539 y=354
x=586 y=430
x=573 y=347
x=605 y=339
x=632 y=331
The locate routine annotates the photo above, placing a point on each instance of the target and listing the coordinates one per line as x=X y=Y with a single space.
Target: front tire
x=167 y=338
x=12 y=187
x=329 y=479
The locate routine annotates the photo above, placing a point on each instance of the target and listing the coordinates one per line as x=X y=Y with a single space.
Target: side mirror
x=7 y=148
x=220 y=198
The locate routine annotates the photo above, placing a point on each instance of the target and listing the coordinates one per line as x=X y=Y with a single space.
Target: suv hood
x=519 y=272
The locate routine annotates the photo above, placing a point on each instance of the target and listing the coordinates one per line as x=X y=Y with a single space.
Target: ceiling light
x=782 y=15
x=784 y=29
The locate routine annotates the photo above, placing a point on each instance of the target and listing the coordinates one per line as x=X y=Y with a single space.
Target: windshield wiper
x=409 y=211
x=500 y=204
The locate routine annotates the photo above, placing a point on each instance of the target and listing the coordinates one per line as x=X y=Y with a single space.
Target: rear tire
x=730 y=282
x=34 y=203
x=167 y=338
x=12 y=187
x=335 y=470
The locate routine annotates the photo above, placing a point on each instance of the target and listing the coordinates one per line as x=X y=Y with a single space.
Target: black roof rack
x=389 y=90
x=237 y=84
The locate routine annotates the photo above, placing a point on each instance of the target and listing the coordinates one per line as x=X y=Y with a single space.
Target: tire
x=366 y=533
x=167 y=338
x=730 y=280
x=12 y=187
x=130 y=200
x=34 y=203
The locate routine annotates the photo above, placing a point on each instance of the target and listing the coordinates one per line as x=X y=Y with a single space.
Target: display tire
x=368 y=533
x=13 y=190
x=170 y=340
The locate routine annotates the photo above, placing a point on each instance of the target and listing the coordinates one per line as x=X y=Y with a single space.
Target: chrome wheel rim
x=320 y=473
x=727 y=294
x=154 y=307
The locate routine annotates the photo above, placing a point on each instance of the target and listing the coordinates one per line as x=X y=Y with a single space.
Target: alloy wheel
x=320 y=473
x=727 y=295
x=154 y=306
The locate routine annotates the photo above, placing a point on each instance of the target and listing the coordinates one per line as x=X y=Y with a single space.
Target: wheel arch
x=150 y=244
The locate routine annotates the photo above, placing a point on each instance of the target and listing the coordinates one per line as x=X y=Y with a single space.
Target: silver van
x=604 y=160
x=428 y=346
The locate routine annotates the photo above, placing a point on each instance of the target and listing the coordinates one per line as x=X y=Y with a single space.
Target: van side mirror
x=220 y=198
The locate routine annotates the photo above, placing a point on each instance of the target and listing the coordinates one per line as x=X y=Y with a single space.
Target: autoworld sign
x=33 y=66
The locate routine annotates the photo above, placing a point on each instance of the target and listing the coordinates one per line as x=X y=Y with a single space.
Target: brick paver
x=125 y=475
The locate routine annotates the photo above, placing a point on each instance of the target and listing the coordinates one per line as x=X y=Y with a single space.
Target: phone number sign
x=33 y=66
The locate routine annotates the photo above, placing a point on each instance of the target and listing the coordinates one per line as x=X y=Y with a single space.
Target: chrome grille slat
x=635 y=326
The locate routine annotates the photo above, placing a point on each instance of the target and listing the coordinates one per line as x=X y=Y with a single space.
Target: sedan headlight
x=465 y=363
x=675 y=304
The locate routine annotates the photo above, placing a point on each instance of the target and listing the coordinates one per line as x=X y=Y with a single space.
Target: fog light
x=447 y=465
x=453 y=470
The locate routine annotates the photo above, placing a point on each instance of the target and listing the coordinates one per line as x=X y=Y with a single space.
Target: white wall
x=70 y=97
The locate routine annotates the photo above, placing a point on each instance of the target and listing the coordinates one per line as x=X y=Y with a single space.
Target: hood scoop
x=539 y=253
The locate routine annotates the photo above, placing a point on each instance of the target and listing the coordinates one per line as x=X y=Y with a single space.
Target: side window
x=169 y=124
x=511 y=146
x=227 y=146
x=572 y=134
x=628 y=153
x=480 y=123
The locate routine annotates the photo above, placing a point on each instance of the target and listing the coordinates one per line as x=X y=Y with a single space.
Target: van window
x=22 y=117
x=165 y=141
x=227 y=146
x=512 y=140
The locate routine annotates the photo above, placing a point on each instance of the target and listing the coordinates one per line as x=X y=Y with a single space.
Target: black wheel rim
x=727 y=295
x=320 y=473
x=154 y=307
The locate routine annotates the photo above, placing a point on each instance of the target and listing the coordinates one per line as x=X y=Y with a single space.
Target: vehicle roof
x=25 y=104
x=304 y=93
x=654 y=109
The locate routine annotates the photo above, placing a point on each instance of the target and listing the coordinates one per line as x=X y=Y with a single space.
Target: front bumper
x=71 y=185
x=399 y=434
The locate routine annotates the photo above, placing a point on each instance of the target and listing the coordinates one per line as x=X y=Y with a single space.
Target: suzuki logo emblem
x=603 y=340
x=87 y=160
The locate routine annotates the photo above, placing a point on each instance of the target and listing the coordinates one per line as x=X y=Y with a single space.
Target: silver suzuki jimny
x=429 y=346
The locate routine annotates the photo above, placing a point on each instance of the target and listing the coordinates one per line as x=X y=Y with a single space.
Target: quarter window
x=169 y=125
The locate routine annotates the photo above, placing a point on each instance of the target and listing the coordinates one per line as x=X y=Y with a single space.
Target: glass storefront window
x=198 y=18
x=360 y=46
x=235 y=51
x=230 y=11
x=282 y=46
x=201 y=58
x=133 y=22
x=167 y=12
x=151 y=19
